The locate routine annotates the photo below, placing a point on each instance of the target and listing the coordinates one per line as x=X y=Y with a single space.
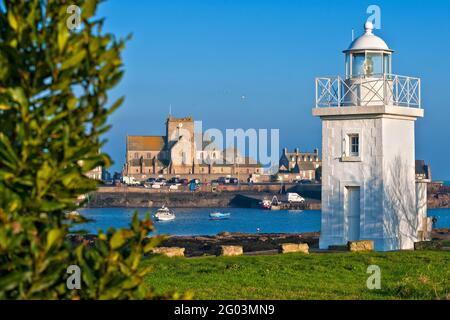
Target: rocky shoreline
x=267 y=243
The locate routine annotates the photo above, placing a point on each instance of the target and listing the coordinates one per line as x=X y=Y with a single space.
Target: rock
x=231 y=251
x=293 y=247
x=224 y=234
x=430 y=245
x=360 y=245
x=169 y=251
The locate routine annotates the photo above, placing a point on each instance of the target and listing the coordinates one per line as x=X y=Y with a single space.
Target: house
x=298 y=165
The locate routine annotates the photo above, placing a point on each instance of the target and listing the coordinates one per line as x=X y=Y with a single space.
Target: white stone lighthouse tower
x=368 y=174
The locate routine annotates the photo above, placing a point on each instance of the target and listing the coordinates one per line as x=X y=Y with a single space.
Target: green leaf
x=117 y=240
x=89 y=8
x=73 y=60
x=12 y=20
x=54 y=237
x=63 y=35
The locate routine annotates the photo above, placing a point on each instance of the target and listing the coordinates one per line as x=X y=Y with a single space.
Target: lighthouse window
x=354 y=145
x=358 y=64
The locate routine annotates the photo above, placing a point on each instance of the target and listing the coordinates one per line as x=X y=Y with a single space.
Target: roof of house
x=145 y=143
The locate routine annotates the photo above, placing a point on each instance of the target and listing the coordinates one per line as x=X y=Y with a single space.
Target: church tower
x=368 y=168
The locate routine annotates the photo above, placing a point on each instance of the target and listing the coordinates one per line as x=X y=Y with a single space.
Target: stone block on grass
x=293 y=247
x=169 y=251
x=230 y=251
x=360 y=245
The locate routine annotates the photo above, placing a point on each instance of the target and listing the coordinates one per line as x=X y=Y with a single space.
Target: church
x=183 y=152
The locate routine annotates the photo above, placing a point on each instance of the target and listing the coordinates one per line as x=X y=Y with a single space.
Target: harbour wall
x=222 y=197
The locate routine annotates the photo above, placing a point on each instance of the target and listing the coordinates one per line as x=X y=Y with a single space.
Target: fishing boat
x=164 y=214
x=265 y=204
x=219 y=215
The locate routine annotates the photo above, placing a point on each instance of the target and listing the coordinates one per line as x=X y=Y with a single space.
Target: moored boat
x=219 y=215
x=265 y=204
x=275 y=204
x=164 y=214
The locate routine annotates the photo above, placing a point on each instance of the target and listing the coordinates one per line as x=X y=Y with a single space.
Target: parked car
x=184 y=182
x=214 y=183
x=160 y=182
x=131 y=181
x=303 y=181
x=174 y=180
x=223 y=180
x=295 y=198
x=234 y=180
x=196 y=181
x=150 y=180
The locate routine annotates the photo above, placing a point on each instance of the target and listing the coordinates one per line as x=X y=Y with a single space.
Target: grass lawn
x=404 y=275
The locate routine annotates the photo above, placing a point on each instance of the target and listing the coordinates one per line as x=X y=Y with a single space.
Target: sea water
x=197 y=221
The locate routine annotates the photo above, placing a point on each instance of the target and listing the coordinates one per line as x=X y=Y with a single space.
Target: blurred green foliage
x=53 y=112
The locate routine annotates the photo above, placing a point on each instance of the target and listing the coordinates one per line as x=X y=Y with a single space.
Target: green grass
x=404 y=275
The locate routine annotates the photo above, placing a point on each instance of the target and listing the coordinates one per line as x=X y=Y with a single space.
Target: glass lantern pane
x=347 y=65
x=358 y=64
x=374 y=64
x=387 y=63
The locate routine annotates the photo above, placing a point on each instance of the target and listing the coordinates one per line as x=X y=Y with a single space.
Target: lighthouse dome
x=368 y=41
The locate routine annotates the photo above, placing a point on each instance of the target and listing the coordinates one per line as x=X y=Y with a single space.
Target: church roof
x=145 y=143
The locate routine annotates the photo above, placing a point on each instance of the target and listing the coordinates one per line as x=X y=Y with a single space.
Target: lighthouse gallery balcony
x=365 y=90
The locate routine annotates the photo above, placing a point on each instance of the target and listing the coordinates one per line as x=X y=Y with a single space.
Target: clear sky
x=203 y=56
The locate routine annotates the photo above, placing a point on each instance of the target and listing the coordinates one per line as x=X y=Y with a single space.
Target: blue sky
x=202 y=56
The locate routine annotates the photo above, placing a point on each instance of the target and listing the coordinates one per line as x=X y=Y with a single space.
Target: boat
x=164 y=214
x=275 y=204
x=265 y=204
x=219 y=215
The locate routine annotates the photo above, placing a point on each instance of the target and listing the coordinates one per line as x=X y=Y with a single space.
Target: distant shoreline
x=132 y=197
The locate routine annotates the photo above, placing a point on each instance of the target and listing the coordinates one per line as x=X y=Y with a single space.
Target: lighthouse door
x=353 y=212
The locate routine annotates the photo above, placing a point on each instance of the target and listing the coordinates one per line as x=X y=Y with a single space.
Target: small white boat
x=219 y=215
x=164 y=214
x=265 y=204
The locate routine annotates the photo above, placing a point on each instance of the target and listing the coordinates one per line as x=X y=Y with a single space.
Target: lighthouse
x=368 y=173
